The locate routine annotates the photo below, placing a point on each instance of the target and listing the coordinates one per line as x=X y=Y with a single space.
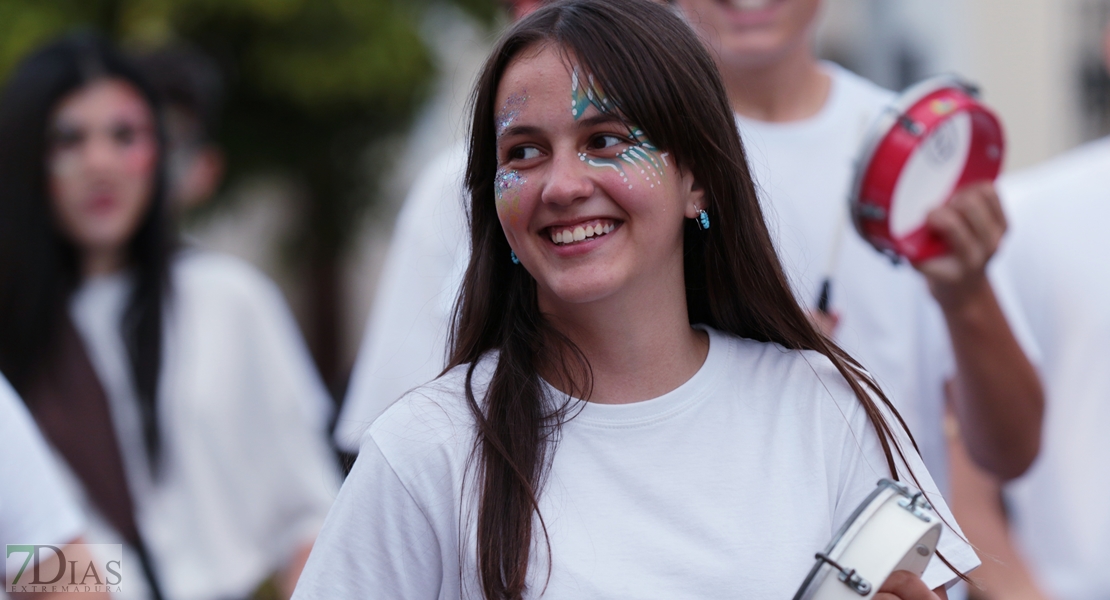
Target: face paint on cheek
x=509 y=112
x=643 y=158
x=507 y=187
x=646 y=158
x=606 y=163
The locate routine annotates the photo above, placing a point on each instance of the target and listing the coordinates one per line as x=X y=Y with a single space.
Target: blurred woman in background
x=173 y=382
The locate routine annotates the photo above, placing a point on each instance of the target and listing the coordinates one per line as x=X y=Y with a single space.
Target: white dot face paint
x=643 y=157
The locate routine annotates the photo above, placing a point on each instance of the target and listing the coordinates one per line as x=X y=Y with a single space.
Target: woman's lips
x=751 y=4
x=100 y=204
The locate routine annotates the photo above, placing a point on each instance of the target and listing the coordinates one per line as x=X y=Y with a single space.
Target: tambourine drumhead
x=934 y=139
x=893 y=529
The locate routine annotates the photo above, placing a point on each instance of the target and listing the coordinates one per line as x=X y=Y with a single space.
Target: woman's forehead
x=546 y=77
x=104 y=98
x=541 y=71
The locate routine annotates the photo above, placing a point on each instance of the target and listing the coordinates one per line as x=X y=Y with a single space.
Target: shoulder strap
x=71 y=408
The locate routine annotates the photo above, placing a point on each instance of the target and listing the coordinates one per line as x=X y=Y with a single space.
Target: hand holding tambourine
x=922 y=189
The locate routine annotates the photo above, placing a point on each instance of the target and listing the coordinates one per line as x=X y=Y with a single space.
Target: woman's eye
x=67 y=137
x=602 y=142
x=124 y=134
x=524 y=153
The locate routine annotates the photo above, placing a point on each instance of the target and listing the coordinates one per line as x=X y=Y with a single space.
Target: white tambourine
x=894 y=529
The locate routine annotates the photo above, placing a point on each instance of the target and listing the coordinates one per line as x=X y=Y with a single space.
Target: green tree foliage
x=311 y=84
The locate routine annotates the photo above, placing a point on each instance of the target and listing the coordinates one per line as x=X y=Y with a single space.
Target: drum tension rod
x=849 y=576
x=918 y=506
x=913 y=127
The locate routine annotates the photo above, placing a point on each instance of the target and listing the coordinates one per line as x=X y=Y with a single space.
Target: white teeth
x=567 y=236
x=751 y=4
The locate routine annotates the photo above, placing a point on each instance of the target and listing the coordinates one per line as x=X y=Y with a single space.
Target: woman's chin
x=575 y=292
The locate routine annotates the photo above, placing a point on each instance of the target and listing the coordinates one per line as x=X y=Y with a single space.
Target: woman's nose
x=568 y=180
x=101 y=153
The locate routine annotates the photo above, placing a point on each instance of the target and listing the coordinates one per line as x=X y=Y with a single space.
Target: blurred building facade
x=1038 y=62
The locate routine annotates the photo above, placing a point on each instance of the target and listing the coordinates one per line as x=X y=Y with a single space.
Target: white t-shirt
x=406 y=336
x=1053 y=262
x=247 y=472
x=35 y=506
x=722 y=488
x=888 y=320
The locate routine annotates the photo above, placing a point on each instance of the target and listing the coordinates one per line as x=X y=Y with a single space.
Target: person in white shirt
x=636 y=406
x=35 y=506
x=405 y=343
x=918 y=330
x=1050 y=541
x=173 y=382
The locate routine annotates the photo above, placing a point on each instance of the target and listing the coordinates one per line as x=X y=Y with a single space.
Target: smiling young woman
x=635 y=405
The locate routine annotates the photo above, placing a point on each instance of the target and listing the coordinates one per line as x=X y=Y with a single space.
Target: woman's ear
x=695 y=195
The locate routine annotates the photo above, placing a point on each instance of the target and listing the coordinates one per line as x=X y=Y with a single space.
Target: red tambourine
x=934 y=139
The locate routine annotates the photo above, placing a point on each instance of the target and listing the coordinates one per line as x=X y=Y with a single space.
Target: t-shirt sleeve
x=864 y=464
x=35 y=505
x=376 y=542
x=290 y=405
x=1016 y=259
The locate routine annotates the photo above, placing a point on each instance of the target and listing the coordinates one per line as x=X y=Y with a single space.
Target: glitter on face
x=509 y=112
x=506 y=186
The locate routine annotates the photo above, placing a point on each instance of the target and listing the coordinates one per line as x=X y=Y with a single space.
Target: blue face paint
x=642 y=157
x=582 y=96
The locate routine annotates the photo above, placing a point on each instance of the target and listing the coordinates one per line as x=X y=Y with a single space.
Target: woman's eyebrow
x=601 y=119
x=518 y=130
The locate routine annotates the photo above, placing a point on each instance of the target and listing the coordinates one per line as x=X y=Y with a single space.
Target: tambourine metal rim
x=896 y=110
x=878 y=134
x=855 y=522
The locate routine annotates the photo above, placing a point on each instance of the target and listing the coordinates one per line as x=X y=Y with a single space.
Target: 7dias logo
x=42 y=568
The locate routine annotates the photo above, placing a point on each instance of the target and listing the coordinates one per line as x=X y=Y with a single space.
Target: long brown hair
x=657 y=75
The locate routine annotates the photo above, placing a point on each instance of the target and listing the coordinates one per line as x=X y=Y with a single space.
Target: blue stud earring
x=512 y=256
x=702 y=220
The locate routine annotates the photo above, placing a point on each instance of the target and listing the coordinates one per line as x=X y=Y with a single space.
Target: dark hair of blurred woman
x=40 y=265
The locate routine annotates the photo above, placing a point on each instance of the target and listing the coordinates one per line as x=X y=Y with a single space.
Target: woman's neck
x=791 y=88
x=101 y=261
x=639 y=346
